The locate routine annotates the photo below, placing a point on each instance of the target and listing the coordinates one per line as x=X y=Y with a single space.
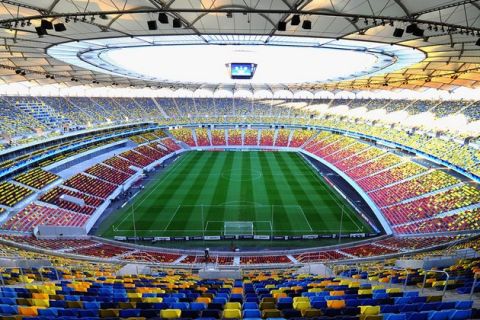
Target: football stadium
x=240 y=159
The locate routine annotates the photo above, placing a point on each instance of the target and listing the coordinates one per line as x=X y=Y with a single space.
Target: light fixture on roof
x=307 y=24
x=59 y=27
x=41 y=31
x=163 y=18
x=410 y=28
x=477 y=43
x=282 y=26
x=229 y=14
x=45 y=24
x=103 y=16
x=152 y=25
x=398 y=32
x=177 y=23
x=295 y=20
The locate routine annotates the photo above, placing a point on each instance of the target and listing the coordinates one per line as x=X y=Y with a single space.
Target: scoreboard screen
x=242 y=70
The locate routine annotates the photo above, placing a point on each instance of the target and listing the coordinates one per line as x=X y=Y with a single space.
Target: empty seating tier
x=36 y=178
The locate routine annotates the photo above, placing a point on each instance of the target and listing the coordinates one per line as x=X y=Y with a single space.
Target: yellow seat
x=394 y=290
x=152 y=299
x=233 y=305
x=336 y=304
x=109 y=313
x=41 y=302
x=232 y=314
x=311 y=313
x=170 y=313
x=365 y=291
x=378 y=287
x=370 y=310
x=271 y=313
x=299 y=299
x=301 y=305
x=134 y=295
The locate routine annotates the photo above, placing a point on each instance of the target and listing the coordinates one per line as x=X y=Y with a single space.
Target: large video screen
x=242 y=70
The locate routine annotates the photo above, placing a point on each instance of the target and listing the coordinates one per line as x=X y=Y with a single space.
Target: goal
x=238 y=228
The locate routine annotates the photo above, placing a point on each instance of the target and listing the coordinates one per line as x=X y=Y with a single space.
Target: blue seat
x=353 y=303
x=410 y=293
x=447 y=305
x=319 y=304
x=464 y=305
x=249 y=305
x=286 y=300
x=402 y=300
x=409 y=307
x=58 y=303
x=170 y=300
x=91 y=313
x=460 y=315
x=8 y=309
x=417 y=315
x=438 y=315
x=198 y=306
x=430 y=306
x=380 y=295
x=316 y=298
x=220 y=300
x=394 y=316
x=68 y=312
x=129 y=313
x=251 y=313
x=9 y=301
x=91 y=305
x=180 y=305
x=48 y=312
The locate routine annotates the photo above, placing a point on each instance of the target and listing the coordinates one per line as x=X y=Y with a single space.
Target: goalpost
x=238 y=228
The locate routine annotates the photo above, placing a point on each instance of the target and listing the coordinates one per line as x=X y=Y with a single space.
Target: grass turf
x=276 y=193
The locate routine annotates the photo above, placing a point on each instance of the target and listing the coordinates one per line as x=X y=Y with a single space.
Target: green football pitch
x=235 y=193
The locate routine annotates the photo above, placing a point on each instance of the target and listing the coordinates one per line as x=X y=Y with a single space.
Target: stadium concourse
x=274 y=159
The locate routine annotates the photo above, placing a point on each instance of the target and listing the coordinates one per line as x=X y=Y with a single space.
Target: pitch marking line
x=171 y=218
x=330 y=193
x=305 y=217
x=158 y=184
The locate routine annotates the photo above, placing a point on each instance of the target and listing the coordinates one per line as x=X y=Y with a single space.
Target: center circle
x=241 y=175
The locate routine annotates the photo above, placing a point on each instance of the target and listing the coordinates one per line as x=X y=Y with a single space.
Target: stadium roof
x=445 y=31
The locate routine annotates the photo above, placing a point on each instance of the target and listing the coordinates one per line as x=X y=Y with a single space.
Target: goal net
x=238 y=228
